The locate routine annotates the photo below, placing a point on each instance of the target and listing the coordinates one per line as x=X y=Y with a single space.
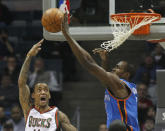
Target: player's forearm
x=104 y=63
x=83 y=56
x=69 y=128
x=23 y=76
x=65 y=122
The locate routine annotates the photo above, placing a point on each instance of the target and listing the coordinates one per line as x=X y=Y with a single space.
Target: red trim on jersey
x=56 y=117
x=131 y=128
x=120 y=111
x=49 y=109
x=121 y=99
x=125 y=111
x=122 y=115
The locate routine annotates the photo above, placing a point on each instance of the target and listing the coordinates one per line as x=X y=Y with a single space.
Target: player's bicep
x=112 y=82
x=107 y=78
x=24 y=97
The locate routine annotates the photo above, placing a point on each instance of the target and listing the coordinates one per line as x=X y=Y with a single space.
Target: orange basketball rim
x=136 y=18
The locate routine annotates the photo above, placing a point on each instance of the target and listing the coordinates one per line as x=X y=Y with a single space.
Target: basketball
x=51 y=20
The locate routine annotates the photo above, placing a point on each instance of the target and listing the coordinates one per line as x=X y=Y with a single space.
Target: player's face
x=41 y=95
x=119 y=69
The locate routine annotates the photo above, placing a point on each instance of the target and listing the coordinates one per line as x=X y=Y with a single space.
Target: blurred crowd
x=145 y=78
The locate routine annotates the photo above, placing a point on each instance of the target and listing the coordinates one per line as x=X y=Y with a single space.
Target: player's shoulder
x=129 y=84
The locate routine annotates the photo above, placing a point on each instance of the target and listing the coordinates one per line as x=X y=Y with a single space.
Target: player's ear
x=127 y=75
x=49 y=96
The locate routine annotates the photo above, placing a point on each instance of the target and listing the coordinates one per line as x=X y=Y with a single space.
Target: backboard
x=91 y=21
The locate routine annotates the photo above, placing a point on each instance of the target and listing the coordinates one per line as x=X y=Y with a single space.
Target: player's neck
x=126 y=78
x=42 y=109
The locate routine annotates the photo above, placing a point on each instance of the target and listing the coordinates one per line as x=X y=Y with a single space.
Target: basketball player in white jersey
x=40 y=117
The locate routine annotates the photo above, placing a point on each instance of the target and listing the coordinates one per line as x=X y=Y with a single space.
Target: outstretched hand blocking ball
x=52 y=19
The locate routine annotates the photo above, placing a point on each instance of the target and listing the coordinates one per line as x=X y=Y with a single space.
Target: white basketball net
x=122 y=30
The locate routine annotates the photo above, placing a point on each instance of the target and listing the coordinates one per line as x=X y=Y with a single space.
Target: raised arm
x=65 y=122
x=108 y=79
x=24 y=92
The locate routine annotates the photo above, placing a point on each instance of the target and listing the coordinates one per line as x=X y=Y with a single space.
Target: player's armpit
x=110 y=81
x=65 y=122
x=117 y=86
x=107 y=78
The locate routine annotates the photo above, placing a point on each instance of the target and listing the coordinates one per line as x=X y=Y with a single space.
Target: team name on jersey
x=39 y=122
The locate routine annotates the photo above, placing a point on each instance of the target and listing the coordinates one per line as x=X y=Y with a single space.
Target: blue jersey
x=123 y=109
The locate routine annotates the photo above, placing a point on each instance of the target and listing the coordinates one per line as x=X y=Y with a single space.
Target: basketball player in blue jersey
x=40 y=117
x=120 y=94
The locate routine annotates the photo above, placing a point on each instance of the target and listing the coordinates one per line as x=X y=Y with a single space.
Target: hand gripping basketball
x=64 y=25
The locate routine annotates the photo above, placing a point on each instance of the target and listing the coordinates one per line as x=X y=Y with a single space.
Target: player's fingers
x=66 y=17
x=99 y=50
x=94 y=51
x=63 y=21
x=38 y=49
x=40 y=42
x=38 y=45
x=105 y=52
x=35 y=47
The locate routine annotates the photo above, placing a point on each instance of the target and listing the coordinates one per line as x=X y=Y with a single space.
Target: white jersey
x=46 y=121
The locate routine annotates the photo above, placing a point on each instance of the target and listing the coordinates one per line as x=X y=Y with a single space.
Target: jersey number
x=35 y=129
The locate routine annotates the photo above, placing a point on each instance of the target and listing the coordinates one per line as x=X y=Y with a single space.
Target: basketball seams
x=52 y=22
x=52 y=19
x=56 y=25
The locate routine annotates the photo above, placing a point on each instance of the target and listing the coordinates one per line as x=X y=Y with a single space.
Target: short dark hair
x=117 y=125
x=130 y=68
x=33 y=88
